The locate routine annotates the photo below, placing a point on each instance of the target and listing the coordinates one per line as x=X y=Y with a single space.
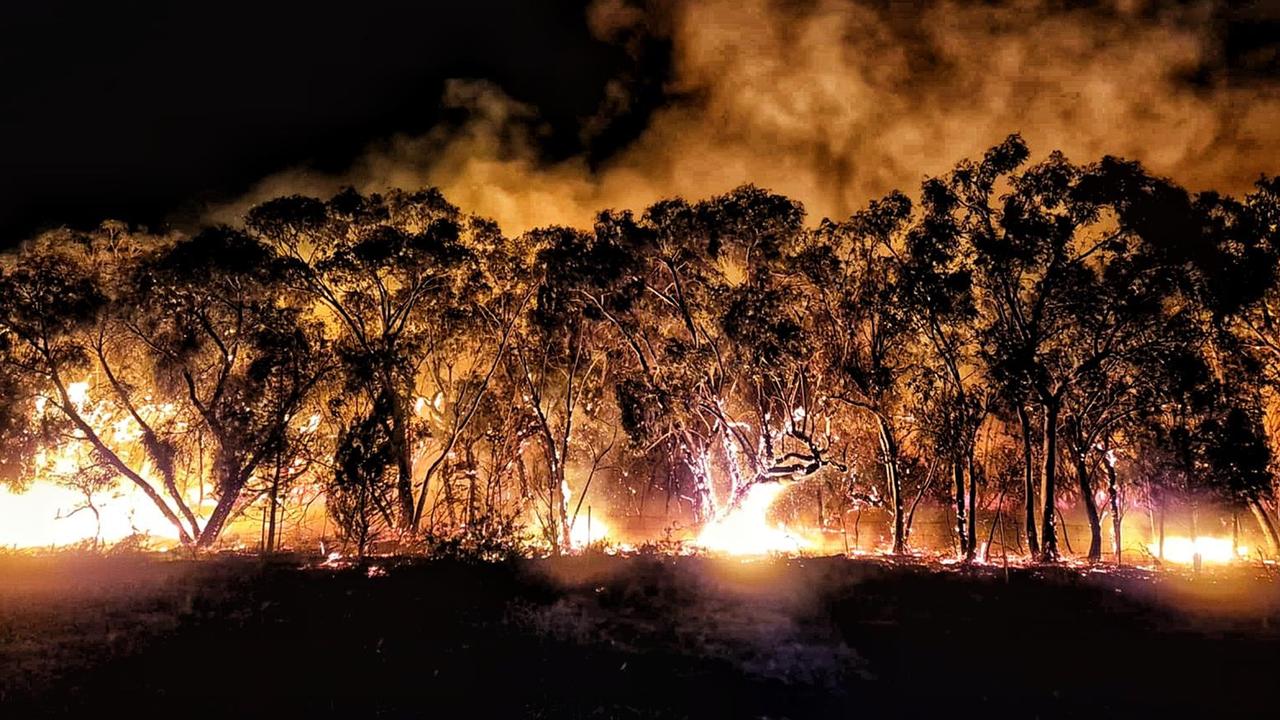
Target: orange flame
x=1182 y=550
x=746 y=529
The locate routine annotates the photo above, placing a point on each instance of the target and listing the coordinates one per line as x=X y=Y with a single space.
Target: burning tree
x=860 y=321
x=1076 y=281
x=185 y=372
x=54 y=303
x=385 y=274
x=439 y=381
x=709 y=300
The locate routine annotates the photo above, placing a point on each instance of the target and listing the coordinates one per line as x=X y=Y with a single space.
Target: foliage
x=442 y=383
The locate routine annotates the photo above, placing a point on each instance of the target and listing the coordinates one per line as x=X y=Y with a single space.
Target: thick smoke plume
x=835 y=102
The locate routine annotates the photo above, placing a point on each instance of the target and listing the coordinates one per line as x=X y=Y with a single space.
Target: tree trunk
x=1113 y=499
x=1090 y=507
x=1048 y=482
x=553 y=515
x=973 y=505
x=221 y=511
x=1264 y=523
x=1161 y=545
x=107 y=454
x=403 y=453
x=272 y=499
x=1235 y=534
x=230 y=484
x=699 y=467
x=562 y=507
x=1028 y=477
x=731 y=466
x=957 y=473
x=471 y=488
x=889 y=446
x=991 y=533
x=1066 y=536
x=1195 y=539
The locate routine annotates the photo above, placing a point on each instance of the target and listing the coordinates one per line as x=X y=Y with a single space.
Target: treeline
x=1051 y=334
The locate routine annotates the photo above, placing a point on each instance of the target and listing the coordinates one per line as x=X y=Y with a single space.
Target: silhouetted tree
x=864 y=327
x=384 y=269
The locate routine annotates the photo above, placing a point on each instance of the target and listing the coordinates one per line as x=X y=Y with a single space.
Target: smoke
x=835 y=102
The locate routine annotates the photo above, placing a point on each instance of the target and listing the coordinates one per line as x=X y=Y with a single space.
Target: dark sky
x=135 y=111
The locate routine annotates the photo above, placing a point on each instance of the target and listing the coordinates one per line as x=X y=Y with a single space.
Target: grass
x=628 y=637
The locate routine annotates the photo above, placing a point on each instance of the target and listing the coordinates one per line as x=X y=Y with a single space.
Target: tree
x=1075 y=276
x=864 y=324
x=1239 y=285
x=212 y=315
x=52 y=300
x=561 y=358
x=459 y=358
x=384 y=271
x=709 y=303
x=949 y=382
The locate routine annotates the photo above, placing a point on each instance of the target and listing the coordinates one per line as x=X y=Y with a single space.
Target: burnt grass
x=628 y=637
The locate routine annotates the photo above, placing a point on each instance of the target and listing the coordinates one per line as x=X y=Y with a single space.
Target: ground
x=633 y=637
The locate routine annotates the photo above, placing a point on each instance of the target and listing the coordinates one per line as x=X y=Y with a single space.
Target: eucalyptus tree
x=1234 y=452
x=385 y=273
x=464 y=344
x=1105 y=405
x=561 y=359
x=1077 y=277
x=1206 y=445
x=54 y=296
x=782 y=391
x=863 y=323
x=709 y=301
x=949 y=382
x=1239 y=287
x=659 y=299
x=962 y=208
x=211 y=314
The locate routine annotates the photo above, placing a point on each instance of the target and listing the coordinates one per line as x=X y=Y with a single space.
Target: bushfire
x=1020 y=364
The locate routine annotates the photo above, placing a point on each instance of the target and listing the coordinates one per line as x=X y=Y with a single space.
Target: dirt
x=628 y=637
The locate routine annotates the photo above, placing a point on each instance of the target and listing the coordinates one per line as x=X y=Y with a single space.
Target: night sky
x=141 y=111
x=149 y=112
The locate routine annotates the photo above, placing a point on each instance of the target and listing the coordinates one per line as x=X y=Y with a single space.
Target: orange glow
x=584 y=534
x=1182 y=550
x=746 y=530
x=54 y=511
x=44 y=516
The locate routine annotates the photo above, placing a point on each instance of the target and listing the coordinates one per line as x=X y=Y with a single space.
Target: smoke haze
x=835 y=102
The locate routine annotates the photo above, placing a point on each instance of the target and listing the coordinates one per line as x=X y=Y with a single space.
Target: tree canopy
x=436 y=379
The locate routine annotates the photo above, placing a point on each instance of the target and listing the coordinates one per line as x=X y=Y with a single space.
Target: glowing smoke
x=835 y=102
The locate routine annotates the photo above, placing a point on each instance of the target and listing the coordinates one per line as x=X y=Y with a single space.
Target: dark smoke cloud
x=835 y=102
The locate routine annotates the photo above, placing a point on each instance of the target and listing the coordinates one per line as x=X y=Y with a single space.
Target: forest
x=1010 y=344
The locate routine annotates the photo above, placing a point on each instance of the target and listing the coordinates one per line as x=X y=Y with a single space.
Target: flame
x=1182 y=550
x=746 y=530
x=47 y=515
x=78 y=393
x=54 y=511
x=583 y=535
